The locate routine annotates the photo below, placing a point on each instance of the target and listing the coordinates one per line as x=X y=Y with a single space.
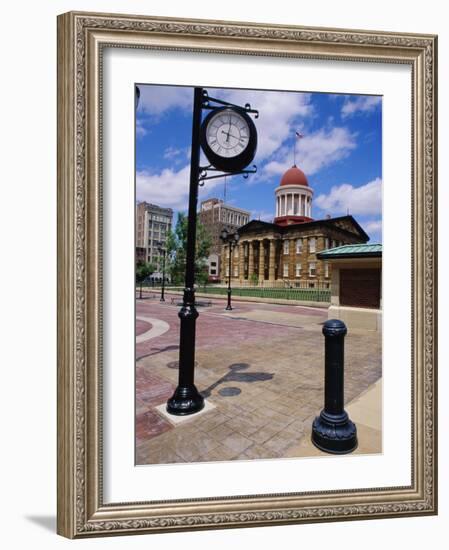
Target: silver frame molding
x=81 y=37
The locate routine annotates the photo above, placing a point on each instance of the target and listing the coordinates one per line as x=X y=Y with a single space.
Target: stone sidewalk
x=261 y=368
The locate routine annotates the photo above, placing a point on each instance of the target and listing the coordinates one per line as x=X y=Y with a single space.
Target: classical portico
x=257 y=259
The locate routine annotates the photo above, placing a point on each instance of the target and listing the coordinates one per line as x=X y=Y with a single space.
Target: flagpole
x=297 y=136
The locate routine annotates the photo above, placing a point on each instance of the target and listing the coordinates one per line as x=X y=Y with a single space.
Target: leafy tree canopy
x=144 y=270
x=176 y=250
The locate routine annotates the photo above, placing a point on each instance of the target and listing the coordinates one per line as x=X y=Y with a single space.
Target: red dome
x=294 y=176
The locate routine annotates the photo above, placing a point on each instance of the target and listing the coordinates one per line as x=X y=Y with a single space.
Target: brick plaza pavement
x=261 y=367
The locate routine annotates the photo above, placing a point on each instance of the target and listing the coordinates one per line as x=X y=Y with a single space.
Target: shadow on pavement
x=236 y=376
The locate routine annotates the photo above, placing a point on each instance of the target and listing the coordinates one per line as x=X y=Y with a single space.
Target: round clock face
x=228 y=139
x=227 y=133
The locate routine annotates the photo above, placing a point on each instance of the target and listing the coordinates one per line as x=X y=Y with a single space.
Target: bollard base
x=185 y=400
x=335 y=434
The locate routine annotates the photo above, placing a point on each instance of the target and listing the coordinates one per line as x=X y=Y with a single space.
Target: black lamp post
x=186 y=398
x=231 y=239
x=163 y=253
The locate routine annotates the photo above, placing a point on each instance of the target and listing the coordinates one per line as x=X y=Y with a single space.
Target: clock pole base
x=186 y=400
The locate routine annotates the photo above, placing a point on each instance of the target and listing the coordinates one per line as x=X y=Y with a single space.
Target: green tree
x=254 y=279
x=176 y=251
x=143 y=270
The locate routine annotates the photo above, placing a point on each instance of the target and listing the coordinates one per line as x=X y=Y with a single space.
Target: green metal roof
x=352 y=251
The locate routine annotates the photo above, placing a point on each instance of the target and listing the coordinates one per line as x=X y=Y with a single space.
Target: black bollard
x=333 y=431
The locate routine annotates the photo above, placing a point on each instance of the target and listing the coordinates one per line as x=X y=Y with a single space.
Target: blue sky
x=340 y=153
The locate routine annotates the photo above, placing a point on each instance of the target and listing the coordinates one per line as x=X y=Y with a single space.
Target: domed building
x=293 y=198
x=284 y=252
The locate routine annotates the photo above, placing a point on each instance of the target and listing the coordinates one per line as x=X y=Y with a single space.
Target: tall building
x=215 y=215
x=152 y=226
x=285 y=252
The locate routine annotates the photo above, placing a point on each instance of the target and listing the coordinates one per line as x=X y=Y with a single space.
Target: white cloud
x=280 y=115
x=177 y=155
x=171 y=152
x=372 y=226
x=315 y=151
x=262 y=215
x=169 y=188
x=140 y=128
x=364 y=200
x=374 y=229
x=155 y=100
x=361 y=104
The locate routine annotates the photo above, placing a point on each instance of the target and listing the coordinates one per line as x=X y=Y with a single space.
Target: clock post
x=231 y=149
x=187 y=399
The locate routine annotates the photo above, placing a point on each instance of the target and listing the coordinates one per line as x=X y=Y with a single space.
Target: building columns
x=272 y=260
x=261 y=261
x=250 y=259
x=241 y=274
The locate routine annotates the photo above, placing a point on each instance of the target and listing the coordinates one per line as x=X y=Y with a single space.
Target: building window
x=326 y=242
x=213 y=271
x=334 y=243
x=286 y=247
x=213 y=264
x=236 y=271
x=227 y=271
x=298 y=270
x=236 y=252
x=326 y=269
x=298 y=246
x=312 y=269
x=285 y=273
x=312 y=244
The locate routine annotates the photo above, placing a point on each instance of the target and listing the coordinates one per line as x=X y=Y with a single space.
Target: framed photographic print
x=247 y=271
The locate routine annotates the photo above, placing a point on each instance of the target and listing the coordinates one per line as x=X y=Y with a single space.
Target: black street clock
x=229 y=139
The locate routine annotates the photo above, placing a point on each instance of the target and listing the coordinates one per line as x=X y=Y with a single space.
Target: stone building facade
x=153 y=224
x=215 y=215
x=285 y=252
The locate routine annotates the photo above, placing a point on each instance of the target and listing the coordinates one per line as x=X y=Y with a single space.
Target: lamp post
x=163 y=253
x=231 y=239
x=186 y=399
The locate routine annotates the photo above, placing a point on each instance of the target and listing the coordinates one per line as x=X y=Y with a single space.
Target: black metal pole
x=333 y=431
x=163 y=278
x=229 y=306
x=186 y=398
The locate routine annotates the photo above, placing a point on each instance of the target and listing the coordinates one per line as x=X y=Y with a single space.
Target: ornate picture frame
x=82 y=38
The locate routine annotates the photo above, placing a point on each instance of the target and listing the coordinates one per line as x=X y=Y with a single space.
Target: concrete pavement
x=262 y=368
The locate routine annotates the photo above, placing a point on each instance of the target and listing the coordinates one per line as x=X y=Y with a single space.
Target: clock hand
x=232 y=135
x=229 y=129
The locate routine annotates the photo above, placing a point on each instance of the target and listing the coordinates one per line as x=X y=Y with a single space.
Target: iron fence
x=301 y=294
